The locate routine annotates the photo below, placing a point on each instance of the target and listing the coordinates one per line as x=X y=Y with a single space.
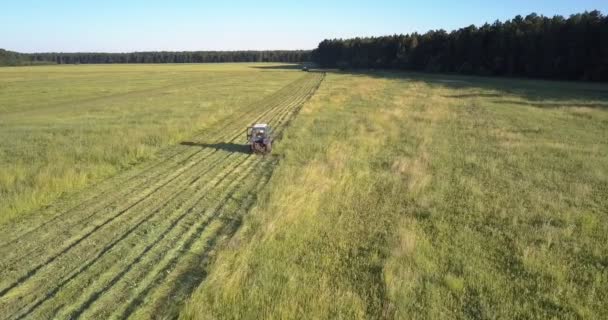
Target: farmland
x=72 y=126
x=127 y=192
x=412 y=196
x=155 y=224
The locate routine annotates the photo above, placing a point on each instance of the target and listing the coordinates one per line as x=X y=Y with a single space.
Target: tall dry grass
x=416 y=196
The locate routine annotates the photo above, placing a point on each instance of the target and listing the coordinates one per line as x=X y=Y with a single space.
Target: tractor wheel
x=257 y=148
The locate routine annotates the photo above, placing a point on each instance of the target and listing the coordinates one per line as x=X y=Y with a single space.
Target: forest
x=573 y=48
x=285 y=56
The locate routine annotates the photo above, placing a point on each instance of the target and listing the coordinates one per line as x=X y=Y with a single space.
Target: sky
x=139 y=25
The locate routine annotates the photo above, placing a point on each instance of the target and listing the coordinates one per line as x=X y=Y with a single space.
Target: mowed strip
x=113 y=248
x=171 y=161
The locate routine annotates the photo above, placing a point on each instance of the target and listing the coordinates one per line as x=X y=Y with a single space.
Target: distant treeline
x=534 y=46
x=10 y=58
x=13 y=58
x=574 y=48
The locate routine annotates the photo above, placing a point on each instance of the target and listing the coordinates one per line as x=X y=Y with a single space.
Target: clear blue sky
x=138 y=25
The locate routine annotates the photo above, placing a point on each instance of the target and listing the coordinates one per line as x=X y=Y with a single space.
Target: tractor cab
x=259 y=138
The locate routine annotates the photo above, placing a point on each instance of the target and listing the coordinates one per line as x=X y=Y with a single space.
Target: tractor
x=259 y=137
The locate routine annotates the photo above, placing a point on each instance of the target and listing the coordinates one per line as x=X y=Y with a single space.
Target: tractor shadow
x=279 y=67
x=224 y=146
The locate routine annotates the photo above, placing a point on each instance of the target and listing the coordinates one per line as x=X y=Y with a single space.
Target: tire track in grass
x=272 y=99
x=83 y=237
x=228 y=119
x=95 y=245
x=180 y=172
x=233 y=186
x=282 y=121
x=50 y=273
x=168 y=178
x=197 y=248
x=195 y=268
x=206 y=169
x=81 y=271
x=159 y=163
x=35 y=270
x=288 y=112
x=296 y=110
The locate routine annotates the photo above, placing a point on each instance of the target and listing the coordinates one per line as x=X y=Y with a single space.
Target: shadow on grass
x=224 y=146
x=473 y=95
x=534 y=92
x=553 y=104
x=280 y=67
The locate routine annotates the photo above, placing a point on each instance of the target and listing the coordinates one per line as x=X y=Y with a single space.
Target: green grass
x=127 y=192
x=65 y=127
x=137 y=244
x=415 y=196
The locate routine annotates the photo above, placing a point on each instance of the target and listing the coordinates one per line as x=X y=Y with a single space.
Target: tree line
x=285 y=56
x=574 y=48
x=11 y=58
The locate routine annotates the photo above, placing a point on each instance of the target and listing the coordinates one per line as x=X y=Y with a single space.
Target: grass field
x=390 y=195
x=65 y=127
x=434 y=197
x=137 y=243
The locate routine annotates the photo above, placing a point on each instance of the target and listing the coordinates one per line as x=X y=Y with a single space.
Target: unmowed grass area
x=413 y=196
x=65 y=127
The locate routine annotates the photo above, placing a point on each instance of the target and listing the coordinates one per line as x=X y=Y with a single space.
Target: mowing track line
x=108 y=186
x=54 y=286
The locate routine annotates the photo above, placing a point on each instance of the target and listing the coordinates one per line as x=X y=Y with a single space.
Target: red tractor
x=259 y=138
